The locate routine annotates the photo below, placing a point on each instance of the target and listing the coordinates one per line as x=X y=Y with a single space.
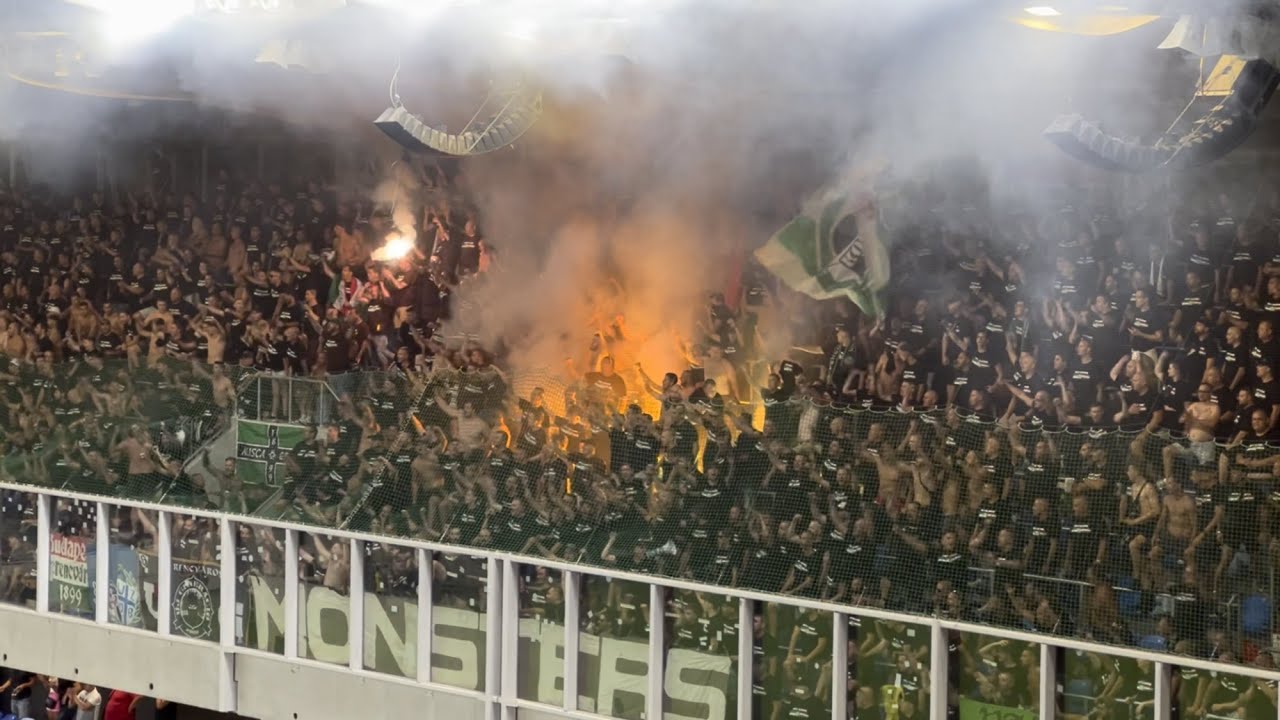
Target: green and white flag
x=835 y=247
x=261 y=448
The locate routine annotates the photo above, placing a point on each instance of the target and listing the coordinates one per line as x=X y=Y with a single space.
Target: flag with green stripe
x=261 y=448
x=836 y=247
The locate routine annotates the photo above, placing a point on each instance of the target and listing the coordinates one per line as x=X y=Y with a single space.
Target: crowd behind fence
x=1121 y=536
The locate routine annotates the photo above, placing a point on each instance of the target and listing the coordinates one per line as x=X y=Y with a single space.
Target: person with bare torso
x=210 y=333
x=1200 y=420
x=1174 y=531
x=140 y=454
x=1139 y=513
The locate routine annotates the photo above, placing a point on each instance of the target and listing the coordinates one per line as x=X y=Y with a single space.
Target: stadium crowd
x=1067 y=423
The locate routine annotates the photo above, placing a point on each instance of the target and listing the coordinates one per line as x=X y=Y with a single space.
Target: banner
x=197 y=588
x=195 y=591
x=612 y=672
x=125 y=592
x=70 y=579
x=836 y=247
x=261 y=448
x=133 y=593
x=974 y=710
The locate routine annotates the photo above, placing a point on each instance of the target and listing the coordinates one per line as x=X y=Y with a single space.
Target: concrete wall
x=202 y=675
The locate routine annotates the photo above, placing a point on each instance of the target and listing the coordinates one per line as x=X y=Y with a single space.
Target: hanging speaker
x=1220 y=129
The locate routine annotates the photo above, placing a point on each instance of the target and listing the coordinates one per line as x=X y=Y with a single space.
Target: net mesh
x=1123 y=536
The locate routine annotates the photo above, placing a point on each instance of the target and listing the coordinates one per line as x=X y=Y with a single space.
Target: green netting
x=1118 y=535
x=112 y=428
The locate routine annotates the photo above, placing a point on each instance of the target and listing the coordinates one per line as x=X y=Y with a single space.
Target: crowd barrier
x=824 y=468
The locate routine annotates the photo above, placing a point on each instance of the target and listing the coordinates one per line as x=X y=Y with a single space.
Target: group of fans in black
x=1062 y=425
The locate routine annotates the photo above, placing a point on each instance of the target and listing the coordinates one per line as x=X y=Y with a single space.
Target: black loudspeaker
x=416 y=136
x=1219 y=130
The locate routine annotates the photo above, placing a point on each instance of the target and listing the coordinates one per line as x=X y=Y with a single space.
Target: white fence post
x=355 y=614
x=44 y=526
x=424 y=615
x=102 y=569
x=164 y=572
x=572 y=625
x=291 y=634
x=939 y=681
x=839 y=665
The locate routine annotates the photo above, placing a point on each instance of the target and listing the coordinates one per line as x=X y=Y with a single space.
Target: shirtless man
x=1200 y=419
x=1139 y=514
x=11 y=342
x=224 y=391
x=1174 y=531
x=141 y=455
x=210 y=332
x=83 y=322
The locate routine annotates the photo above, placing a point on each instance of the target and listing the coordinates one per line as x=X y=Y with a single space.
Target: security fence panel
x=1218 y=695
x=324 y=602
x=541 y=640
x=133 y=572
x=888 y=667
x=459 y=630
x=260 y=588
x=700 y=672
x=994 y=677
x=19 y=526
x=73 y=548
x=1091 y=684
x=791 y=670
x=196 y=576
x=613 y=647
x=391 y=612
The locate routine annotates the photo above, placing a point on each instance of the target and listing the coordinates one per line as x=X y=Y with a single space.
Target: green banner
x=974 y=710
x=261 y=448
x=836 y=247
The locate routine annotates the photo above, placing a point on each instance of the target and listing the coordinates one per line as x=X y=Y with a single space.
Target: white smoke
x=649 y=176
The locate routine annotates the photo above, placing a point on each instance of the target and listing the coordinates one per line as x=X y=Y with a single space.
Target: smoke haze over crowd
x=650 y=177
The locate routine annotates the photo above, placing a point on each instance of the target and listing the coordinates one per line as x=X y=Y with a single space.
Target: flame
x=396 y=247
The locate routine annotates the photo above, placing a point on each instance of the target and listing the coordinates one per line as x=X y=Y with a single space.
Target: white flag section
x=836 y=247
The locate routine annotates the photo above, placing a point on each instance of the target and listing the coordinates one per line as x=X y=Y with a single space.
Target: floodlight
x=1042 y=11
x=128 y=21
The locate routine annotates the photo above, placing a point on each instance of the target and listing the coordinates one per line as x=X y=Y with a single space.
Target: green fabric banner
x=836 y=247
x=261 y=448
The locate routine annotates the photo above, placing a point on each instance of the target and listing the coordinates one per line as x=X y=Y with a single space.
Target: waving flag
x=261 y=448
x=835 y=247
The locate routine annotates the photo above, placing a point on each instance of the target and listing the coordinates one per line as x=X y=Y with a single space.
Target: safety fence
x=1114 y=535
x=550 y=635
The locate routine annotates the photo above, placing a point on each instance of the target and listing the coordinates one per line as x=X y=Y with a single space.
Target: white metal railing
x=497 y=686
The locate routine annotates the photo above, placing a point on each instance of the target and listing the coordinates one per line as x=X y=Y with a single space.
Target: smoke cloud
x=679 y=134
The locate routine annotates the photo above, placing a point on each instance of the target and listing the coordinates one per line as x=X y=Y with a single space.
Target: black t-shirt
x=1040 y=534
x=1266 y=395
x=1040 y=480
x=611 y=386
x=1146 y=321
x=1085 y=379
x=951 y=566
x=18 y=677
x=1085 y=537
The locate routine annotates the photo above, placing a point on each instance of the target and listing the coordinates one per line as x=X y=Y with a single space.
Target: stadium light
x=1042 y=11
x=127 y=21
